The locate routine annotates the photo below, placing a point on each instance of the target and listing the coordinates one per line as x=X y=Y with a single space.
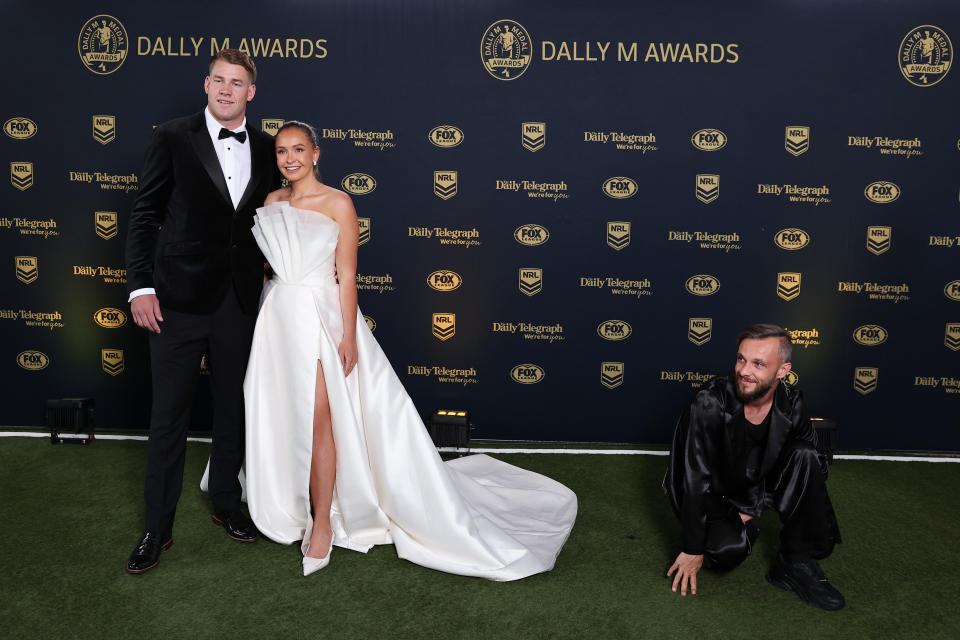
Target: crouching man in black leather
x=743 y=446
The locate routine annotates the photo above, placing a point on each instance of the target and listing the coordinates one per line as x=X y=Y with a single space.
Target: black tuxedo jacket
x=706 y=444
x=185 y=238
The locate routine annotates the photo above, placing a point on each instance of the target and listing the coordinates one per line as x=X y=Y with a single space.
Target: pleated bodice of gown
x=473 y=516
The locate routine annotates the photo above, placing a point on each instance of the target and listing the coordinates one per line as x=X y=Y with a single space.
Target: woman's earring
x=314 y=163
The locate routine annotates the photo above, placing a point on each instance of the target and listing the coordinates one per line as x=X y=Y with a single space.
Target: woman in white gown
x=336 y=452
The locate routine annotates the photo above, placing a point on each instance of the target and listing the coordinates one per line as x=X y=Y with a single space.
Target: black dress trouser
x=175 y=353
x=796 y=488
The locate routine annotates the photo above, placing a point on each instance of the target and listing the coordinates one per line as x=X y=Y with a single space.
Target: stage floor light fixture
x=450 y=428
x=70 y=420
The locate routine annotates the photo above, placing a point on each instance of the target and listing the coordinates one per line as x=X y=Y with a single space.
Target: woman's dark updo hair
x=311 y=135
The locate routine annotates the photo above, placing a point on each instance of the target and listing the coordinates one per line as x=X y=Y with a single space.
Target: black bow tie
x=226 y=133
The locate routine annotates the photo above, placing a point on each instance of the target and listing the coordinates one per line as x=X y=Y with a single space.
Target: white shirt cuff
x=141 y=292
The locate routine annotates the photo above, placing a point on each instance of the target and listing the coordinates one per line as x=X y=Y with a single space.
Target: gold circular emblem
x=925 y=55
x=791 y=378
x=506 y=50
x=103 y=44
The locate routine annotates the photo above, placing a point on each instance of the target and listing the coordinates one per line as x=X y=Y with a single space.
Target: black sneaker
x=806 y=579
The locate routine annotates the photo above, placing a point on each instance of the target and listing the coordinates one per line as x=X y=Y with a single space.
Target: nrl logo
x=699 y=330
x=531 y=234
x=104 y=129
x=445 y=136
x=531 y=281
x=444 y=325
x=359 y=184
x=865 y=379
x=619 y=187
x=951 y=336
x=534 y=135
x=364 y=224
x=27 y=270
x=611 y=374
x=709 y=139
x=21 y=175
x=870 y=335
x=371 y=323
x=791 y=239
x=445 y=184
x=702 y=285
x=614 y=330
x=796 y=140
x=788 y=285
x=881 y=192
x=105 y=224
x=618 y=235
x=878 y=239
x=708 y=187
x=112 y=361
x=271 y=126
x=791 y=378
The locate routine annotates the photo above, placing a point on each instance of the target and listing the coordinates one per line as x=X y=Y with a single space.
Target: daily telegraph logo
x=104 y=128
x=878 y=239
x=506 y=50
x=709 y=139
x=33 y=360
x=791 y=239
x=27 y=269
x=111 y=360
x=105 y=224
x=952 y=290
x=103 y=44
x=926 y=54
x=881 y=192
x=618 y=235
x=359 y=184
x=620 y=187
x=708 y=187
x=444 y=280
x=699 y=330
x=614 y=330
x=531 y=281
x=445 y=136
x=796 y=140
x=788 y=285
x=364 y=225
x=110 y=318
x=20 y=128
x=445 y=184
x=271 y=126
x=21 y=175
x=702 y=285
x=951 y=336
x=533 y=135
x=865 y=379
x=870 y=335
x=444 y=326
x=531 y=234
x=527 y=373
x=611 y=374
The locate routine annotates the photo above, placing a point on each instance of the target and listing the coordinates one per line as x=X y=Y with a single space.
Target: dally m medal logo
x=709 y=139
x=618 y=235
x=531 y=234
x=445 y=184
x=505 y=50
x=708 y=187
x=371 y=323
x=951 y=336
x=865 y=379
x=796 y=140
x=364 y=224
x=791 y=239
x=870 y=335
x=788 y=285
x=444 y=325
x=952 y=290
x=112 y=361
x=619 y=187
x=791 y=378
x=271 y=126
x=611 y=374
x=104 y=129
x=926 y=54
x=534 y=135
x=445 y=136
x=881 y=192
x=33 y=360
x=110 y=318
x=614 y=330
x=103 y=44
x=20 y=128
x=105 y=224
x=699 y=330
x=27 y=269
x=531 y=281
x=359 y=184
x=878 y=239
x=444 y=280
x=702 y=285
x=527 y=373
x=21 y=175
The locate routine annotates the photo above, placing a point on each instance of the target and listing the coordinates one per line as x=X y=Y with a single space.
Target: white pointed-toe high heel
x=312 y=565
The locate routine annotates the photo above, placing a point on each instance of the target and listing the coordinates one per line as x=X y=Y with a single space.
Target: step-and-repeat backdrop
x=568 y=210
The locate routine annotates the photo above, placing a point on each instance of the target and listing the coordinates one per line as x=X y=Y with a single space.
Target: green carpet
x=71 y=515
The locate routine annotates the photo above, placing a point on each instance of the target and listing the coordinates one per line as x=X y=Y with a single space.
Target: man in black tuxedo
x=195 y=273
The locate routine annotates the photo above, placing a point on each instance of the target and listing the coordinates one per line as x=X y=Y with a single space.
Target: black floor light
x=450 y=428
x=70 y=420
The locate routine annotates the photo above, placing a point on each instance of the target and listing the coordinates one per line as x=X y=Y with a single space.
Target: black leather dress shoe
x=806 y=579
x=238 y=526
x=146 y=554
